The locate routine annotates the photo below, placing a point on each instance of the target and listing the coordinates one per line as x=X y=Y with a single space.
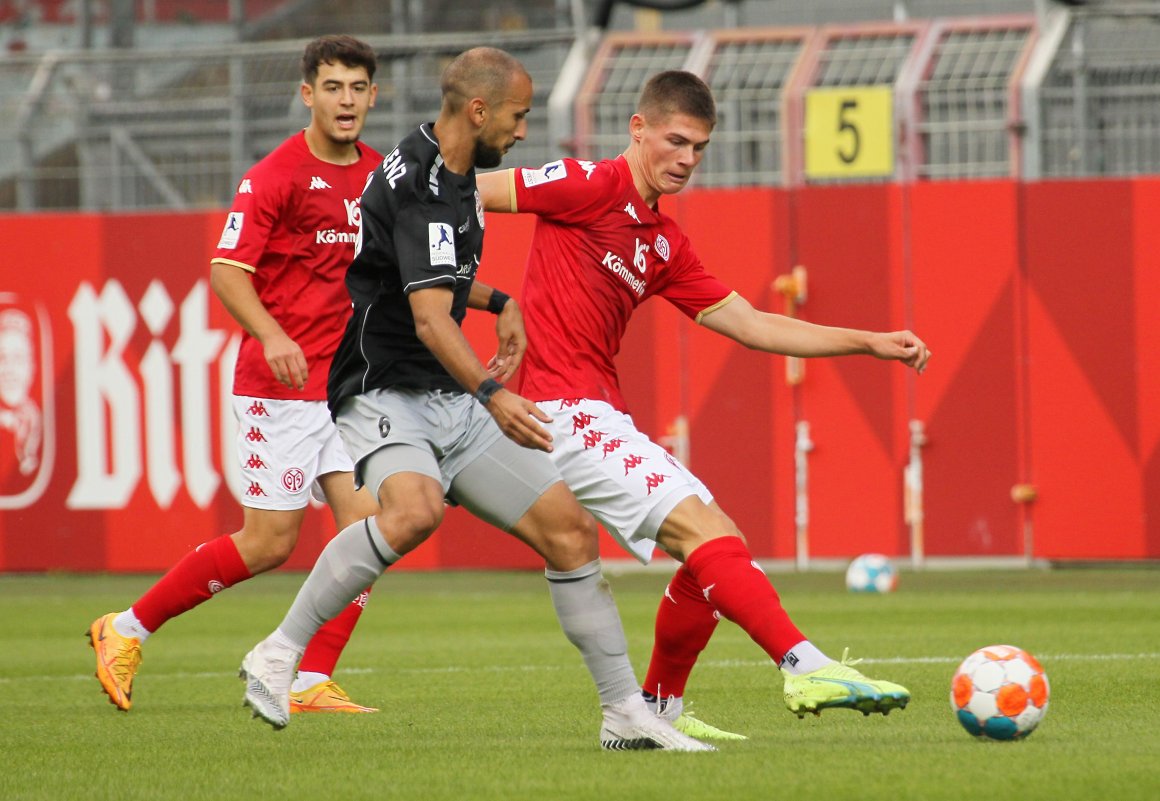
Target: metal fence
x=1098 y=110
x=609 y=94
x=965 y=116
x=161 y=129
x=748 y=74
x=1066 y=93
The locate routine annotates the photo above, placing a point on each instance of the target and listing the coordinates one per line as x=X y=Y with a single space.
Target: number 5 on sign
x=850 y=132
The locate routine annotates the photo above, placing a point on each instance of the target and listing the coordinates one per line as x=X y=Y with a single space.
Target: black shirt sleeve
x=425 y=244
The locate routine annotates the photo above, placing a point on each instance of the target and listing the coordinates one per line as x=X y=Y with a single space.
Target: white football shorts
x=627 y=481
x=283 y=447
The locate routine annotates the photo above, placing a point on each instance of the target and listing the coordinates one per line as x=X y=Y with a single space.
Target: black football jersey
x=422 y=226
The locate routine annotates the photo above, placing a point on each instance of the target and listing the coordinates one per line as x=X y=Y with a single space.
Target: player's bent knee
x=281 y=549
x=691 y=524
x=265 y=548
x=570 y=544
x=680 y=544
x=407 y=527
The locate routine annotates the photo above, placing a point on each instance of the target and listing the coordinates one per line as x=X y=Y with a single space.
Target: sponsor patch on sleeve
x=553 y=171
x=232 y=231
x=441 y=242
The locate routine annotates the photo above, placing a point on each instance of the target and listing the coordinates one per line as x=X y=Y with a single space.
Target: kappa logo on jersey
x=581 y=421
x=630 y=210
x=662 y=247
x=479 y=209
x=318 y=183
x=588 y=167
x=612 y=446
x=232 y=232
x=652 y=482
x=441 y=242
x=245 y=187
x=593 y=438
x=553 y=171
x=632 y=461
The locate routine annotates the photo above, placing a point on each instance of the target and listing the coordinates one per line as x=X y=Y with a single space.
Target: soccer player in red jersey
x=278 y=269
x=601 y=247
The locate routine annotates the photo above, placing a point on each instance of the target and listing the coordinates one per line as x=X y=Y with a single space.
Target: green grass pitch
x=483 y=698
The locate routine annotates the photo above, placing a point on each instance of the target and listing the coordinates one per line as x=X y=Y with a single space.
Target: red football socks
x=206 y=570
x=325 y=647
x=685 y=622
x=734 y=584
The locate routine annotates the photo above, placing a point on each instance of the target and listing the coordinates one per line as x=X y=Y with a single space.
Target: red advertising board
x=1037 y=301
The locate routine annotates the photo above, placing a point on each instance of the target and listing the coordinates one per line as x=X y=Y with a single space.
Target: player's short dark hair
x=340 y=49
x=677 y=92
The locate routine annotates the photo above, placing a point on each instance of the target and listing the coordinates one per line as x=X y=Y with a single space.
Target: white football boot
x=268 y=671
x=629 y=725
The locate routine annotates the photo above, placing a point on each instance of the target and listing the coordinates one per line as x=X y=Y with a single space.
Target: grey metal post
x=237 y=78
x=122 y=23
x=85 y=24
x=401 y=100
x=1079 y=96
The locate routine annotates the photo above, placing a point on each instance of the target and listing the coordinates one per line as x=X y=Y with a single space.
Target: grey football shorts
x=450 y=437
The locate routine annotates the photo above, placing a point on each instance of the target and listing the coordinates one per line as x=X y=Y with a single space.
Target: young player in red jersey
x=601 y=247
x=278 y=269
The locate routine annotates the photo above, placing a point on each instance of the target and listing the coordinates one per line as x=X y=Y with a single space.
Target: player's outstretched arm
x=510 y=335
x=776 y=333
x=235 y=289
x=495 y=190
x=437 y=330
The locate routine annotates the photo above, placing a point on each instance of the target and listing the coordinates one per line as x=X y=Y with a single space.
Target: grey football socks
x=349 y=563
x=590 y=620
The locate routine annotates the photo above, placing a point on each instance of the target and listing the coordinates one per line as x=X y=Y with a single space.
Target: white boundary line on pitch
x=1045 y=659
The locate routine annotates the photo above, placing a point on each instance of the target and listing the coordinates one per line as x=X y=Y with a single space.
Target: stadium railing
x=1069 y=93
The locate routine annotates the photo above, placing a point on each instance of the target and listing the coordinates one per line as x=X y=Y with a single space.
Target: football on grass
x=871 y=572
x=1000 y=692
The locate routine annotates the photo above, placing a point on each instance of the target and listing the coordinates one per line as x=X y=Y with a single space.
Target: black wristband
x=497 y=301
x=486 y=389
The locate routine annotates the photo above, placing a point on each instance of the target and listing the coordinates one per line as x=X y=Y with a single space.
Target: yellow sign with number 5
x=849 y=132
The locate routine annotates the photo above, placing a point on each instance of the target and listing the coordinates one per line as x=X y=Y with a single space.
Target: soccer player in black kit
x=424 y=420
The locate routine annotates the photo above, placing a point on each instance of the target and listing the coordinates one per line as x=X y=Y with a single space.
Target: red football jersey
x=597 y=253
x=293 y=224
